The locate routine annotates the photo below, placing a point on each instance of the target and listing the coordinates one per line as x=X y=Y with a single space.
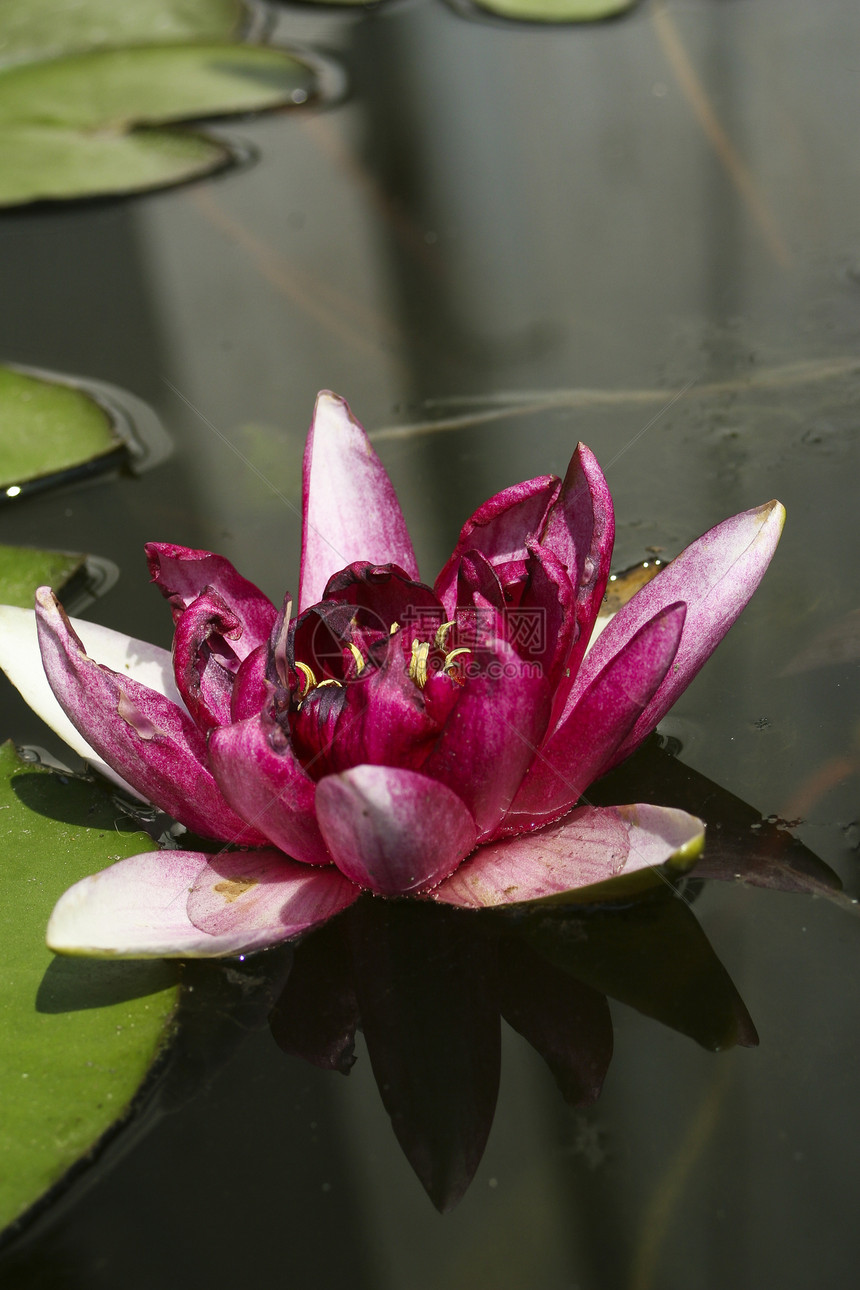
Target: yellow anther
x=356 y=654
x=395 y=627
x=418 y=662
x=310 y=680
x=330 y=681
x=453 y=654
x=442 y=632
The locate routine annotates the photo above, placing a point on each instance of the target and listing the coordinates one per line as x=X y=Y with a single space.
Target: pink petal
x=393 y=831
x=580 y=748
x=22 y=663
x=263 y=897
x=350 y=508
x=580 y=531
x=499 y=529
x=576 y=857
x=492 y=734
x=182 y=574
x=204 y=662
x=716 y=576
x=138 y=907
x=147 y=739
x=266 y=785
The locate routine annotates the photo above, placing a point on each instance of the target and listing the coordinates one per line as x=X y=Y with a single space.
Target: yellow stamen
x=453 y=654
x=330 y=681
x=310 y=680
x=356 y=654
x=418 y=662
x=395 y=627
x=442 y=632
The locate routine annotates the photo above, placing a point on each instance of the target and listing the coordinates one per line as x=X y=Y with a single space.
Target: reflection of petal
x=618 y=844
x=566 y=1021
x=739 y=843
x=654 y=956
x=426 y=988
x=316 y=1016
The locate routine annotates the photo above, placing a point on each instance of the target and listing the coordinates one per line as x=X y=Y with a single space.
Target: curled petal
x=350 y=509
x=266 y=785
x=499 y=530
x=250 y=688
x=393 y=831
x=182 y=574
x=203 y=660
x=579 y=749
x=147 y=739
x=619 y=846
x=716 y=576
x=22 y=663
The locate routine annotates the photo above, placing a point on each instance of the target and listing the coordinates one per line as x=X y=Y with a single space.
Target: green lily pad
x=48 y=429
x=23 y=569
x=79 y=1037
x=33 y=29
x=556 y=10
x=82 y=126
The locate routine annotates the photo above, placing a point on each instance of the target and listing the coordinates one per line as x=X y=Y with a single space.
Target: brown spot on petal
x=232 y=888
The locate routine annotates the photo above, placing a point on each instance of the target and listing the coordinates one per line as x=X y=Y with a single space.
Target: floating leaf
x=23 y=569
x=49 y=430
x=70 y=127
x=34 y=30
x=78 y=1037
x=555 y=10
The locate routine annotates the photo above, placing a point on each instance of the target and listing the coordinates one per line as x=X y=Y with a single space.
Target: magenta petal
x=499 y=530
x=393 y=831
x=588 y=848
x=262 y=897
x=265 y=783
x=204 y=663
x=350 y=509
x=147 y=739
x=250 y=687
x=716 y=576
x=580 y=748
x=182 y=574
x=492 y=734
x=580 y=531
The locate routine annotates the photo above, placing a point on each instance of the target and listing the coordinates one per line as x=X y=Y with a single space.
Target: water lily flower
x=387 y=735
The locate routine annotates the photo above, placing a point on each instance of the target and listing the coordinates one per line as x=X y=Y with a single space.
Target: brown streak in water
x=733 y=164
x=321 y=300
x=533 y=401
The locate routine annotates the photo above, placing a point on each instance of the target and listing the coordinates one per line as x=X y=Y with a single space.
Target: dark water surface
x=505 y=239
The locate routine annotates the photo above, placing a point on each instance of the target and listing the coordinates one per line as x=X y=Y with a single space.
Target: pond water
x=501 y=240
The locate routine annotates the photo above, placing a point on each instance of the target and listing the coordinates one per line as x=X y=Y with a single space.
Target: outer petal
x=578 y=750
x=499 y=530
x=265 y=897
x=22 y=663
x=151 y=741
x=138 y=907
x=349 y=506
x=181 y=574
x=265 y=783
x=393 y=831
x=716 y=576
x=584 y=850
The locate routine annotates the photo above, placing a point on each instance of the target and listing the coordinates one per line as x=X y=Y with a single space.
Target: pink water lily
x=389 y=735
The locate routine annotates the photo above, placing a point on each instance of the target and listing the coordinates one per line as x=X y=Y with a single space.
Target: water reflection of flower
x=392 y=737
